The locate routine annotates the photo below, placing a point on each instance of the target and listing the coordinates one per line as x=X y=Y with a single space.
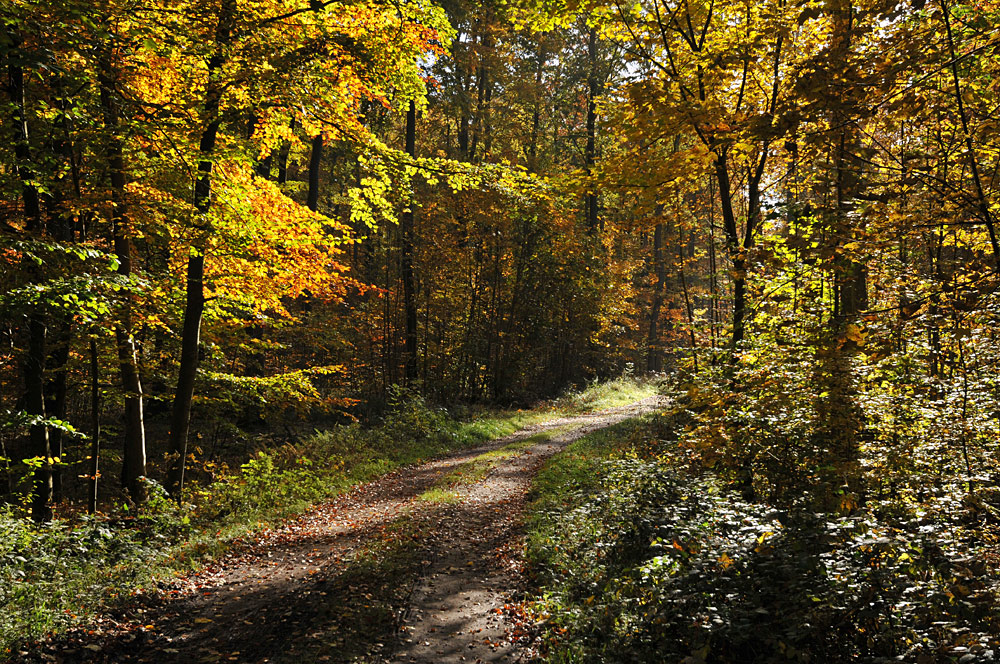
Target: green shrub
x=50 y=574
x=644 y=564
x=410 y=417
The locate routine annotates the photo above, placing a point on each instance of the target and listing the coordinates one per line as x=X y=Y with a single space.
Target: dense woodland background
x=226 y=221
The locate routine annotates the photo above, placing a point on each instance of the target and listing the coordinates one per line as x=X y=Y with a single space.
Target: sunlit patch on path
x=416 y=566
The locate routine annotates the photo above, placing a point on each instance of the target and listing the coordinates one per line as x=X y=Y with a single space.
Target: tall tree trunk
x=463 y=137
x=55 y=394
x=22 y=144
x=478 y=122
x=33 y=366
x=283 y=151
x=95 y=427
x=406 y=258
x=733 y=247
x=536 y=111
x=486 y=118
x=464 y=75
x=194 y=308
x=482 y=122
x=263 y=167
x=590 y=155
x=713 y=269
x=737 y=248
x=840 y=417
x=134 y=450
x=688 y=307
x=851 y=278
x=315 y=158
x=982 y=203
x=654 y=356
x=34 y=383
x=61 y=225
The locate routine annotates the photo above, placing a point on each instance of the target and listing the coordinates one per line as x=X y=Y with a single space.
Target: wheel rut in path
x=278 y=598
x=456 y=612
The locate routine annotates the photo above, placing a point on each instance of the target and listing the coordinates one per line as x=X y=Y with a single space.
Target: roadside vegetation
x=646 y=546
x=55 y=574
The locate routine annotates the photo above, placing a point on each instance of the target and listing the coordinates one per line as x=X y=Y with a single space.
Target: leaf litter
x=375 y=575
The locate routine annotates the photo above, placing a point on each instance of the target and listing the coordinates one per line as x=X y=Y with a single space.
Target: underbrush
x=641 y=556
x=55 y=575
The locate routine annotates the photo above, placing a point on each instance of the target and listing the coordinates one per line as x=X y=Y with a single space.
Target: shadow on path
x=375 y=574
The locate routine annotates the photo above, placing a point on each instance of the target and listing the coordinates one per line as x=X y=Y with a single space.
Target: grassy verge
x=57 y=575
x=443 y=490
x=637 y=559
x=598 y=396
x=479 y=425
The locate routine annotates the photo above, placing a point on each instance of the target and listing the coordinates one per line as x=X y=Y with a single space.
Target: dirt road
x=416 y=566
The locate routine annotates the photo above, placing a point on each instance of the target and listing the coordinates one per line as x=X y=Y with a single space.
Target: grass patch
x=438 y=495
x=57 y=575
x=470 y=472
x=610 y=394
x=570 y=476
x=475 y=470
x=489 y=424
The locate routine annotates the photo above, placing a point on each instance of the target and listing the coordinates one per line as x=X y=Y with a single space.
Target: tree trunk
x=590 y=155
x=463 y=137
x=38 y=436
x=713 y=270
x=841 y=418
x=482 y=128
x=263 y=167
x=654 y=357
x=406 y=259
x=851 y=278
x=982 y=203
x=95 y=427
x=33 y=366
x=183 y=396
x=22 y=149
x=536 y=112
x=315 y=158
x=482 y=82
x=134 y=450
x=60 y=226
x=464 y=75
x=283 y=151
x=194 y=307
x=34 y=383
x=486 y=123
x=688 y=307
x=55 y=394
x=733 y=247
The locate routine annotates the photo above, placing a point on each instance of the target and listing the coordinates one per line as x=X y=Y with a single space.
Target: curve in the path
x=279 y=597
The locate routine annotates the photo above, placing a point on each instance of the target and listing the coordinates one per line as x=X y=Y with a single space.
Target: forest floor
x=421 y=565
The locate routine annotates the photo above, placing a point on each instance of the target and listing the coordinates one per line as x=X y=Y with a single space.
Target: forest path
x=415 y=566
